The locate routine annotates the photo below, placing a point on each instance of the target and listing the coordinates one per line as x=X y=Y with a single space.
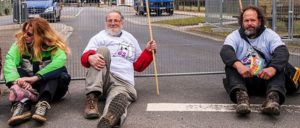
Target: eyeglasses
x=29 y=34
x=113 y=20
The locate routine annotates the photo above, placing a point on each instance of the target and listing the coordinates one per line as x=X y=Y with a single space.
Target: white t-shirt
x=124 y=52
x=267 y=42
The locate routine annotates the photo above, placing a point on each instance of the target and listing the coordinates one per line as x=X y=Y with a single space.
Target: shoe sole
x=19 y=119
x=92 y=116
x=271 y=111
x=104 y=123
x=39 y=118
x=115 y=110
x=243 y=109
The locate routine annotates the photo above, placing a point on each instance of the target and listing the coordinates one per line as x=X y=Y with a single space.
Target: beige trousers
x=108 y=84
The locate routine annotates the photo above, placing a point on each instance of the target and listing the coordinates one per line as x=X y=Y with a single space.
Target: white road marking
x=206 y=107
x=79 y=12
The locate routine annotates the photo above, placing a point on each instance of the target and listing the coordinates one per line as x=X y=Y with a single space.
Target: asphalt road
x=177 y=53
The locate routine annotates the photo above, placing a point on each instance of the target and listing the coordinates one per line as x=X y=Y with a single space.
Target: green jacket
x=51 y=65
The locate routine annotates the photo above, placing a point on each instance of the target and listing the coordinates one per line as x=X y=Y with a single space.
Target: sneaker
x=271 y=105
x=20 y=113
x=91 y=110
x=243 y=106
x=115 y=110
x=41 y=111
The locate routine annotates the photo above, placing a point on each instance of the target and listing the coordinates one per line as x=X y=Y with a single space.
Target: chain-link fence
x=286 y=19
x=190 y=5
x=282 y=15
x=221 y=14
x=5 y=7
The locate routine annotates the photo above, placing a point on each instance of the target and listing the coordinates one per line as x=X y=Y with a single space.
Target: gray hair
x=115 y=11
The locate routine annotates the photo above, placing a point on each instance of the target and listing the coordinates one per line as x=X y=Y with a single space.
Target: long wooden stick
x=151 y=38
x=241 y=5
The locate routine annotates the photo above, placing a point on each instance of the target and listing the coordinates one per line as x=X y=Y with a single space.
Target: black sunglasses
x=29 y=34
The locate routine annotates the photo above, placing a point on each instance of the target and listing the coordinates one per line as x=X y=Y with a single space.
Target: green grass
x=208 y=29
x=297 y=27
x=183 y=22
x=281 y=28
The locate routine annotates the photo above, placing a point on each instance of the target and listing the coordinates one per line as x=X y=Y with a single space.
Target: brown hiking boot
x=20 y=113
x=243 y=106
x=271 y=105
x=115 y=110
x=91 y=107
x=41 y=111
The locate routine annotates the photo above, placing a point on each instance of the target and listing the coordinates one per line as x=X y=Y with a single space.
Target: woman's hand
x=23 y=84
x=31 y=79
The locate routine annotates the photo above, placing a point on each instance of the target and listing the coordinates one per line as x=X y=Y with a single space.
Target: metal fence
x=5 y=7
x=282 y=15
x=219 y=13
x=190 y=5
x=167 y=63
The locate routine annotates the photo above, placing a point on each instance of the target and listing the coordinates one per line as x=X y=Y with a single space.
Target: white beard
x=113 y=33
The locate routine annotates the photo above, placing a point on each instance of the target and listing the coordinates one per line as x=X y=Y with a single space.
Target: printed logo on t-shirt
x=125 y=50
x=246 y=59
x=254 y=61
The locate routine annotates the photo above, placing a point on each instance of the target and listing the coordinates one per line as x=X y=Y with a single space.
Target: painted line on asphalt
x=295 y=53
x=80 y=10
x=206 y=107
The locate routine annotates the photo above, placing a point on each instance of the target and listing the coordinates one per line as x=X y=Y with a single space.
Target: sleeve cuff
x=85 y=56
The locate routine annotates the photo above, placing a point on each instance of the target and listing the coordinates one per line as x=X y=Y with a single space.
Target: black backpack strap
x=243 y=36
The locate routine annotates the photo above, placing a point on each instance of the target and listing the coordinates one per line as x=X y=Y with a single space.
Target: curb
x=184 y=30
x=189 y=13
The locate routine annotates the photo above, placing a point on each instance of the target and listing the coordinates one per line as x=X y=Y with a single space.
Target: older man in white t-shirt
x=111 y=57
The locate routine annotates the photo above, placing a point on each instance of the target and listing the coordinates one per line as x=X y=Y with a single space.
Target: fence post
x=221 y=13
x=274 y=15
x=206 y=11
x=290 y=20
x=177 y=4
x=191 y=5
x=198 y=5
x=183 y=5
